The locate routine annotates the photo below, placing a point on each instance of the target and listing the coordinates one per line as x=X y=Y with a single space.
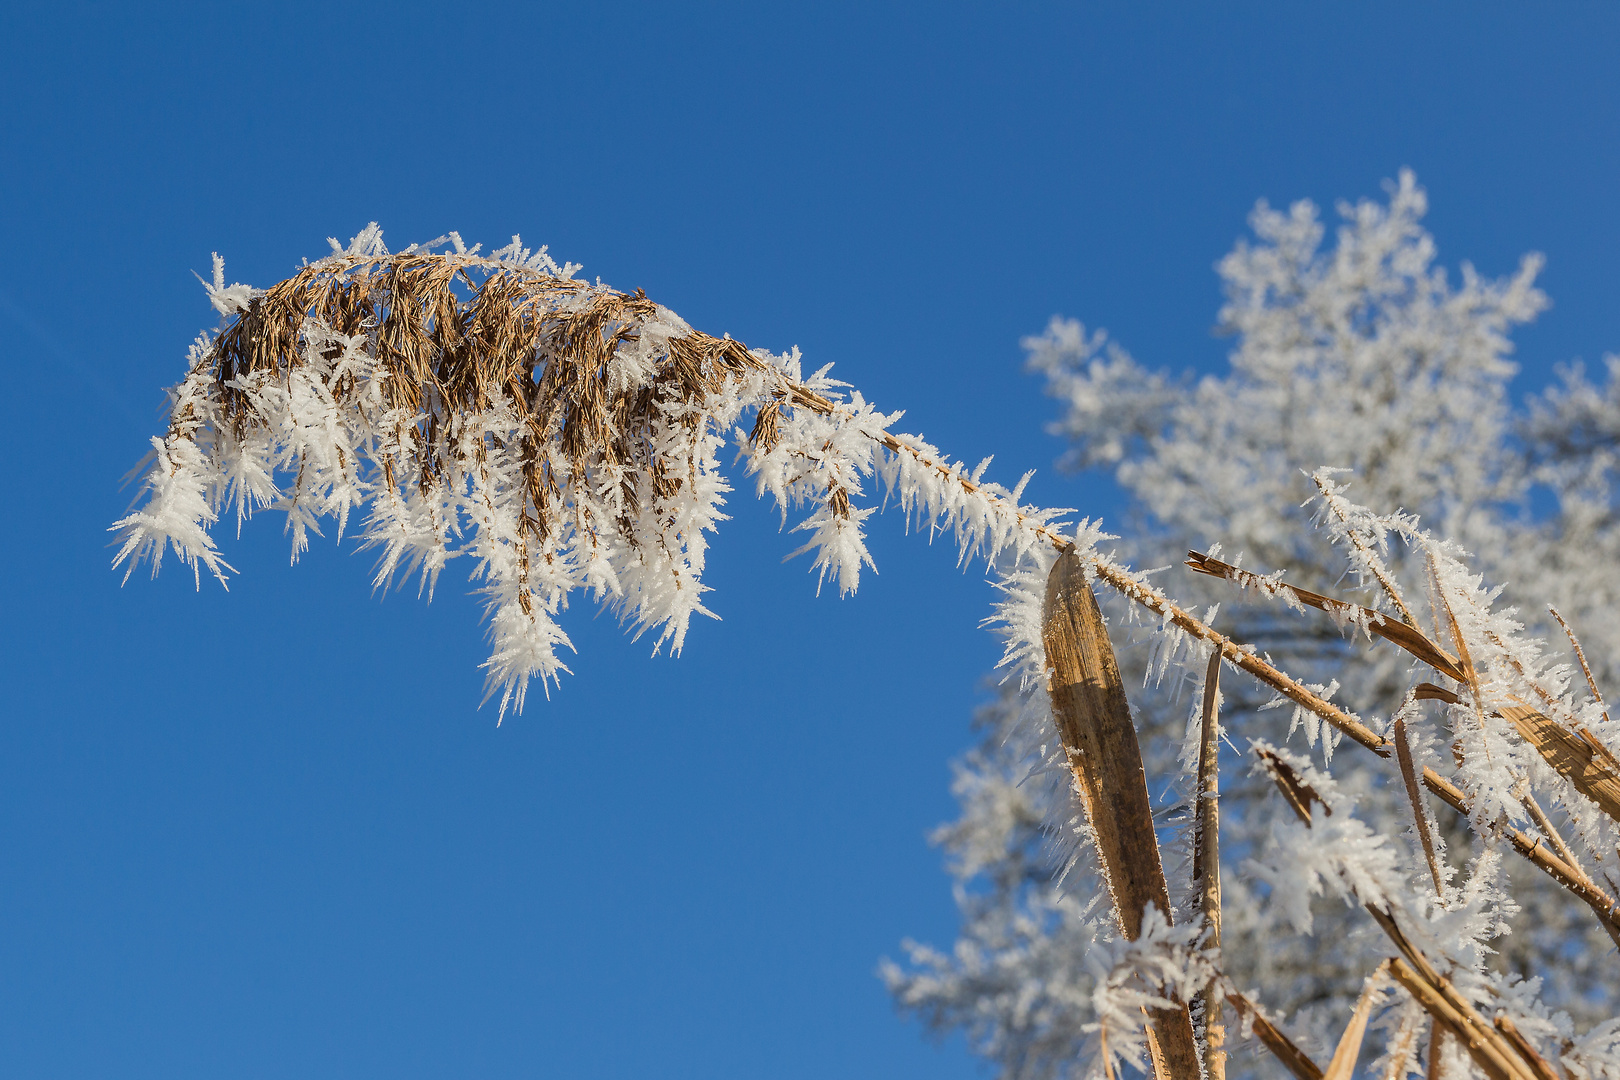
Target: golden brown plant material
x=1345 y=1055
x=1296 y=792
x=1206 y=870
x=1404 y=634
x=1488 y=1046
x=1403 y=755
x=1281 y=1046
x=1581 y=759
x=1580 y=654
x=454 y=333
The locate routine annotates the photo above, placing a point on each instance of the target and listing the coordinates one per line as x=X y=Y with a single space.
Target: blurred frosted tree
x=1365 y=356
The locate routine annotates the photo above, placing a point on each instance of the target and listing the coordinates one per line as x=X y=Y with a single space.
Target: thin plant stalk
x=1420 y=814
x=1207 y=863
x=1373 y=562
x=1580 y=654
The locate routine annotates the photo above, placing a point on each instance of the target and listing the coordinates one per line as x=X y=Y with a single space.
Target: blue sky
x=270 y=834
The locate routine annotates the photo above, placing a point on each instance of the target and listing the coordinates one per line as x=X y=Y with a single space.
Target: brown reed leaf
x=1587 y=764
x=1298 y=794
x=1206 y=870
x=1094 y=721
x=1343 y=1065
x=1486 y=1044
x=1403 y=634
x=1403 y=755
x=1281 y=1046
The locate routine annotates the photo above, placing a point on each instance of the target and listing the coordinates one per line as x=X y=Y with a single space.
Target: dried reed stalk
x=449 y=341
x=1490 y=1058
x=455 y=332
x=1281 y=1046
x=1206 y=871
x=1094 y=722
x=1528 y=800
x=1580 y=654
x=1501 y=1057
x=1543 y=1068
x=1572 y=878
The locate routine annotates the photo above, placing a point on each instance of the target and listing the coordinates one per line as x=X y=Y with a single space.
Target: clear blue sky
x=269 y=834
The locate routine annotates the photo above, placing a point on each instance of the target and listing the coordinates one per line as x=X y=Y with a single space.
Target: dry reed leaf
x=1428 y=691
x=1343 y=1065
x=1206 y=871
x=1586 y=763
x=1296 y=792
x=1094 y=721
x=1577 y=755
x=1499 y=1058
x=1403 y=634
